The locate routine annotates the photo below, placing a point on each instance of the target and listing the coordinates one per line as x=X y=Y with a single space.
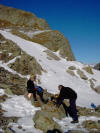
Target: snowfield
x=20 y=107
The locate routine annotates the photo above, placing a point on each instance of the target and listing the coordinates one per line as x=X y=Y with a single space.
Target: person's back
x=67 y=93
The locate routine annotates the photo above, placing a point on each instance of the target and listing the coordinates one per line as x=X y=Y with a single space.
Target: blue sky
x=78 y=20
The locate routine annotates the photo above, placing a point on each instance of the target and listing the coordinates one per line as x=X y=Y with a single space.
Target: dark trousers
x=40 y=94
x=73 y=109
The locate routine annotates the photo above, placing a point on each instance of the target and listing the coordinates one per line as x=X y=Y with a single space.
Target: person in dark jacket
x=68 y=93
x=32 y=89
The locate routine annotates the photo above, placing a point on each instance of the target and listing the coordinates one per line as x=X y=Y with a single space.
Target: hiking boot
x=74 y=121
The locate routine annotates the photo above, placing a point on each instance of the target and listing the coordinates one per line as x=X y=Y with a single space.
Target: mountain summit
x=19 y=20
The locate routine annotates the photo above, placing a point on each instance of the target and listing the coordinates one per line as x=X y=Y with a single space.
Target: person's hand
x=29 y=95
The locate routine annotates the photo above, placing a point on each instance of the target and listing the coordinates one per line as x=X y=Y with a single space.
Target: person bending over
x=68 y=93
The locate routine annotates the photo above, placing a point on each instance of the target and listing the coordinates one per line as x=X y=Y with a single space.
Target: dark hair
x=60 y=85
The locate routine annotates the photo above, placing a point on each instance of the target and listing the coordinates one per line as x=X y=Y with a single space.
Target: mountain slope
x=29 y=46
x=30 y=27
x=56 y=71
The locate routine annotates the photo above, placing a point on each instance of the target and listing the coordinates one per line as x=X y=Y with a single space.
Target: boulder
x=98 y=109
x=92 y=83
x=3 y=98
x=97 y=89
x=81 y=74
x=97 y=66
x=72 y=68
x=71 y=72
x=44 y=122
x=51 y=55
x=55 y=41
x=89 y=124
x=88 y=69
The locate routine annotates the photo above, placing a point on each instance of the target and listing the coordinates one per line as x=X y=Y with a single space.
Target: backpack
x=38 y=88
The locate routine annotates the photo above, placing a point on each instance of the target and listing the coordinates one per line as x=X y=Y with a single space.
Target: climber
x=35 y=90
x=68 y=93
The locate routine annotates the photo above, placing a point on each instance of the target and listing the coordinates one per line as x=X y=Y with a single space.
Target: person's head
x=33 y=77
x=60 y=87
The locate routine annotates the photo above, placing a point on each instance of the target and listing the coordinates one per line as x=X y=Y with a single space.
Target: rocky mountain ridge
x=19 y=21
x=26 y=49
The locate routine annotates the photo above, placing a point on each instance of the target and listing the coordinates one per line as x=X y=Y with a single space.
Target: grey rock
x=71 y=72
x=44 y=122
x=81 y=74
x=51 y=55
x=72 y=68
x=97 y=66
x=97 y=89
x=88 y=69
x=14 y=17
x=55 y=41
x=15 y=83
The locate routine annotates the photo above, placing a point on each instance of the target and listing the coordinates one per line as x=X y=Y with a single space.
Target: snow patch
x=19 y=106
x=67 y=126
x=2 y=92
x=33 y=33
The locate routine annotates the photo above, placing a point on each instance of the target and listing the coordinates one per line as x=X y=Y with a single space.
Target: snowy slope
x=56 y=71
x=20 y=107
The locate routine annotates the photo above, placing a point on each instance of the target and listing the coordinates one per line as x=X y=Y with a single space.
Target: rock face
x=72 y=68
x=17 y=19
x=14 y=17
x=92 y=125
x=23 y=63
x=88 y=69
x=44 y=122
x=97 y=89
x=55 y=41
x=81 y=74
x=51 y=55
x=15 y=83
x=71 y=72
x=97 y=66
